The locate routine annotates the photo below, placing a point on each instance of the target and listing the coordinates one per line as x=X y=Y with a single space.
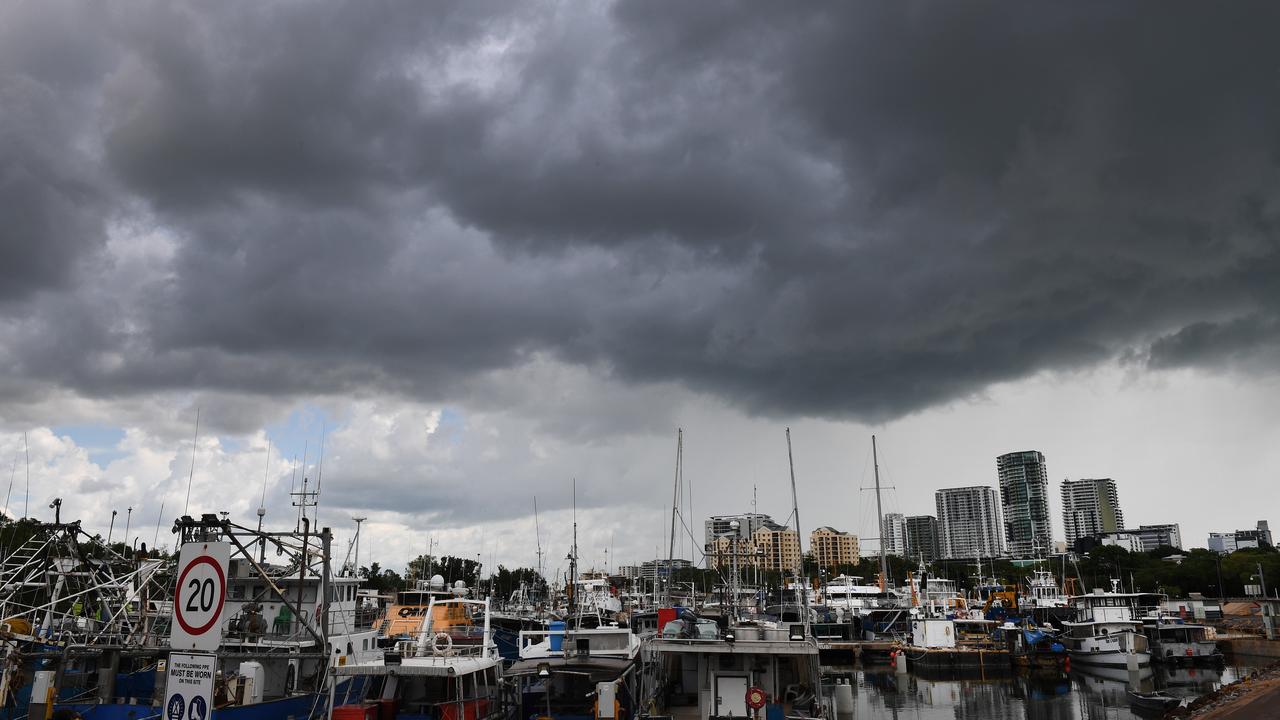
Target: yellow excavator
x=1001 y=603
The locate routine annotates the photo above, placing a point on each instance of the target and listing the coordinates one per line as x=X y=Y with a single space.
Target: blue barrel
x=556 y=628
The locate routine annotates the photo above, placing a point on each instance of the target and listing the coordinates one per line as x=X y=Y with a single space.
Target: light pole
x=128 y=520
x=111 y=528
x=1262 y=580
x=1222 y=592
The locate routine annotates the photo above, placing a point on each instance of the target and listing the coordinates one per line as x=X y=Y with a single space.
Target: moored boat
x=1106 y=631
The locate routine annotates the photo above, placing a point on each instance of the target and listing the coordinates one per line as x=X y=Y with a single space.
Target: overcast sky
x=484 y=248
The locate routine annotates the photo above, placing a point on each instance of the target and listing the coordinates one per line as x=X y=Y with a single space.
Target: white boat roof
x=738 y=647
x=431 y=665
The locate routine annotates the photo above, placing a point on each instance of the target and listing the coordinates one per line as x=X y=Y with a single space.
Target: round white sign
x=201 y=592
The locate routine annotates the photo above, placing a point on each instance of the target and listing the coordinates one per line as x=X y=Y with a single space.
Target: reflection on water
x=1097 y=695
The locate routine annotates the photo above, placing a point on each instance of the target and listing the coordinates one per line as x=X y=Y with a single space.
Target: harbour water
x=879 y=692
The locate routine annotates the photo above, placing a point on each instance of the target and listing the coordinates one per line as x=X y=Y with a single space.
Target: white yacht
x=848 y=595
x=1106 y=631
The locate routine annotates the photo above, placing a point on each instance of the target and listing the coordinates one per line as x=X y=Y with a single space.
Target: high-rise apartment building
x=720 y=526
x=1156 y=536
x=1024 y=500
x=770 y=547
x=1089 y=507
x=922 y=537
x=893 y=535
x=832 y=548
x=969 y=522
x=778 y=548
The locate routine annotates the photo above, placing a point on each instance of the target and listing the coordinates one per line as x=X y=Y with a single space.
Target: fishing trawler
x=403 y=618
x=1106 y=631
x=61 y=588
x=1176 y=641
x=571 y=672
x=712 y=672
x=445 y=669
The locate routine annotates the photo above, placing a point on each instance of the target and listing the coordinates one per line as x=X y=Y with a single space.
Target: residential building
x=1226 y=543
x=719 y=526
x=650 y=569
x=893 y=534
x=1090 y=506
x=1155 y=536
x=1128 y=541
x=922 y=537
x=832 y=548
x=771 y=547
x=778 y=548
x=969 y=522
x=1260 y=537
x=1222 y=543
x=1024 y=499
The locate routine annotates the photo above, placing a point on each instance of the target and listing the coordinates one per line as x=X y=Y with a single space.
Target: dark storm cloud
x=846 y=210
x=51 y=195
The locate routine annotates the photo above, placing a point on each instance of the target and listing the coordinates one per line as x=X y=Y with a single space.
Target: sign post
x=200 y=596
x=189 y=686
x=196 y=630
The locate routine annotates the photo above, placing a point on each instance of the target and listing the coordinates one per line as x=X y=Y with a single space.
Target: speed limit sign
x=199 y=597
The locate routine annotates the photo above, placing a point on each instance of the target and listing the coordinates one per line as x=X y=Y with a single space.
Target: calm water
x=881 y=693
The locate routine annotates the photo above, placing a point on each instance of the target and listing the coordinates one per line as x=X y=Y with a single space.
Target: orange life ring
x=755 y=698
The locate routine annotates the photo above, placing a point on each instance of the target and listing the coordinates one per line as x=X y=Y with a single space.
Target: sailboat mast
x=537 y=533
x=795 y=510
x=884 y=559
x=675 y=508
x=573 y=556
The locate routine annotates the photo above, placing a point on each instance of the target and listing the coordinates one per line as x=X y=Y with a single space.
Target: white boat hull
x=1110 y=658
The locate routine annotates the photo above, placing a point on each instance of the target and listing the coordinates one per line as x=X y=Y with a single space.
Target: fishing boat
x=81 y=618
x=446 y=670
x=1035 y=650
x=1174 y=641
x=576 y=673
x=956 y=644
x=715 y=672
x=1106 y=631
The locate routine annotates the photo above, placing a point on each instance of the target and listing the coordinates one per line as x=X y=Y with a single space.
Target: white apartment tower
x=969 y=522
x=1090 y=506
x=894 y=534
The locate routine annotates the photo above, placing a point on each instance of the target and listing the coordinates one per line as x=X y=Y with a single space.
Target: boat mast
x=675 y=508
x=884 y=559
x=537 y=533
x=573 y=556
x=795 y=510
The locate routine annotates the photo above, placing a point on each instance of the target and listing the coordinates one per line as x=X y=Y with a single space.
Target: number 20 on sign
x=200 y=596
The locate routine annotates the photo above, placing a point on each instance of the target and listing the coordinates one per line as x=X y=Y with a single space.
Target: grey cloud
x=1217 y=343
x=832 y=210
